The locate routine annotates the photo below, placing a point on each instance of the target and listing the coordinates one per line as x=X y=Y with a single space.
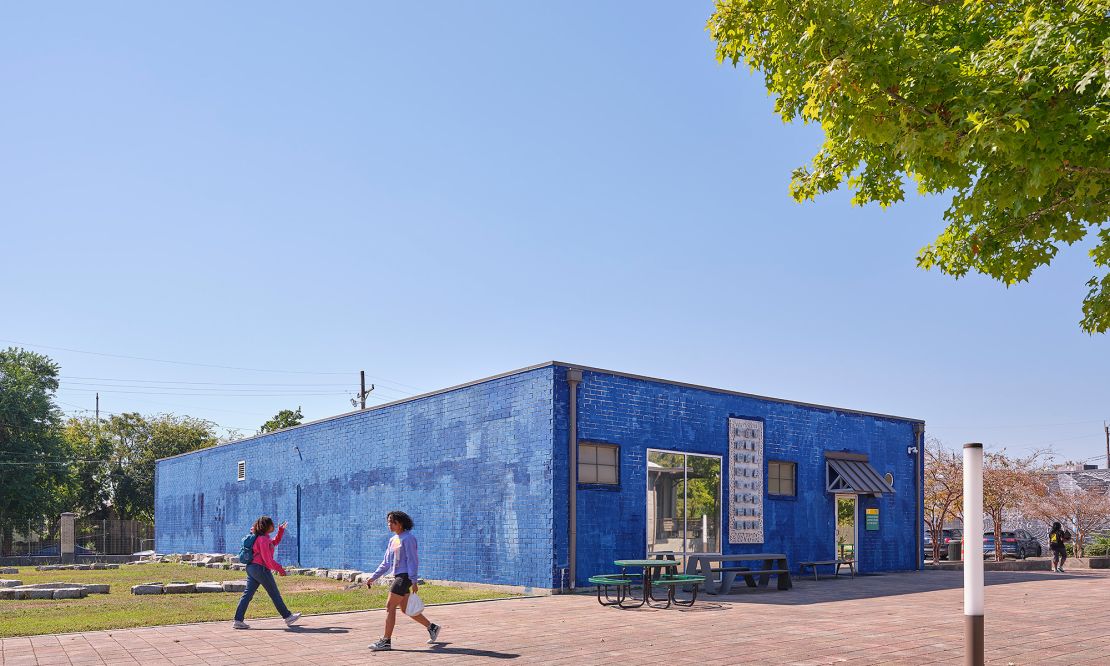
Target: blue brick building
x=486 y=469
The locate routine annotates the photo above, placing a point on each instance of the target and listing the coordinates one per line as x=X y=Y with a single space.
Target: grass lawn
x=121 y=609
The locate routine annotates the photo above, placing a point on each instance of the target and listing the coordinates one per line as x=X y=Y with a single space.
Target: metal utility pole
x=98 y=418
x=1107 y=429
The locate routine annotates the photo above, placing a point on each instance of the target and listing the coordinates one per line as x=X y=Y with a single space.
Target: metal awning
x=852 y=473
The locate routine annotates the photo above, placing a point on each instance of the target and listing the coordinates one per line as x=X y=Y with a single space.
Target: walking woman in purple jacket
x=400 y=560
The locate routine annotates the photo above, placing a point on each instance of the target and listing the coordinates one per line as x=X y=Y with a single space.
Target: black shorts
x=1059 y=551
x=401 y=584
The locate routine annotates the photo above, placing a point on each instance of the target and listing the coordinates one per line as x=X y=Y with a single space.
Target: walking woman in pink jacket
x=258 y=572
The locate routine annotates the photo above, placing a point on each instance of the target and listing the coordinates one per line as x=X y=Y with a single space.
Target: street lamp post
x=973 y=554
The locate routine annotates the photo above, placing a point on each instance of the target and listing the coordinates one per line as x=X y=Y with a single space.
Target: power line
x=993 y=427
x=162 y=360
x=175 y=381
x=140 y=382
x=201 y=390
x=215 y=395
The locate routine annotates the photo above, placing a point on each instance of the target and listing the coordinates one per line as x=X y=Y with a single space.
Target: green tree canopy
x=32 y=456
x=114 y=474
x=1002 y=104
x=286 y=418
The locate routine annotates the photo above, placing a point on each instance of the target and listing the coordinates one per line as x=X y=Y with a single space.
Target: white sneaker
x=240 y=625
x=292 y=619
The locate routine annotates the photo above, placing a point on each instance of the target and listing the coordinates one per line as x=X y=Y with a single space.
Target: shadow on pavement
x=866 y=586
x=844 y=588
x=297 y=629
x=441 y=648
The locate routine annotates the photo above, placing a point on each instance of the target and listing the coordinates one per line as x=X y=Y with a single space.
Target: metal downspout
x=574 y=376
x=918 y=473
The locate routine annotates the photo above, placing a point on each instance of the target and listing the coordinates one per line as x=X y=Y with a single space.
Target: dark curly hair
x=263 y=525
x=401 y=518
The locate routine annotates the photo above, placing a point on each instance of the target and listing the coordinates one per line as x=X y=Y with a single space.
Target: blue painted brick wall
x=472 y=466
x=483 y=470
x=638 y=414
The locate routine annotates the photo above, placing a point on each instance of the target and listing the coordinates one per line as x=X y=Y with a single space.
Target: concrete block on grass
x=70 y=593
x=179 y=587
x=8 y=582
x=98 y=588
x=47 y=593
x=8 y=570
x=147 y=588
x=234 y=585
x=210 y=586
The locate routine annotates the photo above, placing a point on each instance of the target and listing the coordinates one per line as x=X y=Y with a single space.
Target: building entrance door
x=683 y=503
x=846 y=533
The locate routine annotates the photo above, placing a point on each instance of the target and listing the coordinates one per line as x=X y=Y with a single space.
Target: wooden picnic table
x=774 y=564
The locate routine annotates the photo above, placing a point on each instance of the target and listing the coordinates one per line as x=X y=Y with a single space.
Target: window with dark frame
x=781 y=478
x=598 y=463
x=242 y=470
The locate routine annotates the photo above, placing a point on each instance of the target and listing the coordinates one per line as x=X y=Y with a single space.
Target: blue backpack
x=246 y=553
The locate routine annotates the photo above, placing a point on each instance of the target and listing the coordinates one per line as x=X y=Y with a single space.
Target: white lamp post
x=973 y=554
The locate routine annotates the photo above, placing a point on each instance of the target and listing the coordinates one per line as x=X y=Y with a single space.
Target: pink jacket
x=264 y=550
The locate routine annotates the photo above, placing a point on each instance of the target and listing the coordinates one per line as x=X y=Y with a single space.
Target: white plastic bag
x=414 y=606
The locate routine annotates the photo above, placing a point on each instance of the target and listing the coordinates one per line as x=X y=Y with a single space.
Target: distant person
x=1057 y=541
x=401 y=561
x=258 y=554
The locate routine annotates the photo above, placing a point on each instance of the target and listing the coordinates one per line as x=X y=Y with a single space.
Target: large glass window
x=684 y=503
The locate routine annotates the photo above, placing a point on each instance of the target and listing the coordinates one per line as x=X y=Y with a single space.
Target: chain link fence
x=42 y=538
x=37 y=537
x=112 y=537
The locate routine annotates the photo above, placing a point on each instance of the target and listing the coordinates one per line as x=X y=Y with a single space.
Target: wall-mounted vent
x=242 y=470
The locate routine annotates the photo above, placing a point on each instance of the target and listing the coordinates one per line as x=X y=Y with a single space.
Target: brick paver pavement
x=911 y=618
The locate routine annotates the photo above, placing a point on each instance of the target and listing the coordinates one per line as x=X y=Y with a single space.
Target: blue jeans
x=260 y=575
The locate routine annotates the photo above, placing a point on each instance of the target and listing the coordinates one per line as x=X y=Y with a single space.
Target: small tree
x=1083 y=511
x=286 y=418
x=1007 y=485
x=943 y=490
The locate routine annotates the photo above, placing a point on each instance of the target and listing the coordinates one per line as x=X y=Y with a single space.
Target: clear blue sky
x=436 y=192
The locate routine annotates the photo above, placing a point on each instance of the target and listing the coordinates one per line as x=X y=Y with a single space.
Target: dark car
x=1019 y=544
x=947 y=537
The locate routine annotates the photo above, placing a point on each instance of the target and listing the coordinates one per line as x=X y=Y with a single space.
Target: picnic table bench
x=774 y=564
x=837 y=563
x=654 y=575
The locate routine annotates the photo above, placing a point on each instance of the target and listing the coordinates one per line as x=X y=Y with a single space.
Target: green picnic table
x=654 y=574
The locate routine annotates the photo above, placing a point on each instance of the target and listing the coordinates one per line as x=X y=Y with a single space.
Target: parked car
x=947 y=537
x=1019 y=544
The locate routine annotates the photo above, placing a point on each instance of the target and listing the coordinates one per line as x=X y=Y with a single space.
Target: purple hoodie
x=400 y=557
